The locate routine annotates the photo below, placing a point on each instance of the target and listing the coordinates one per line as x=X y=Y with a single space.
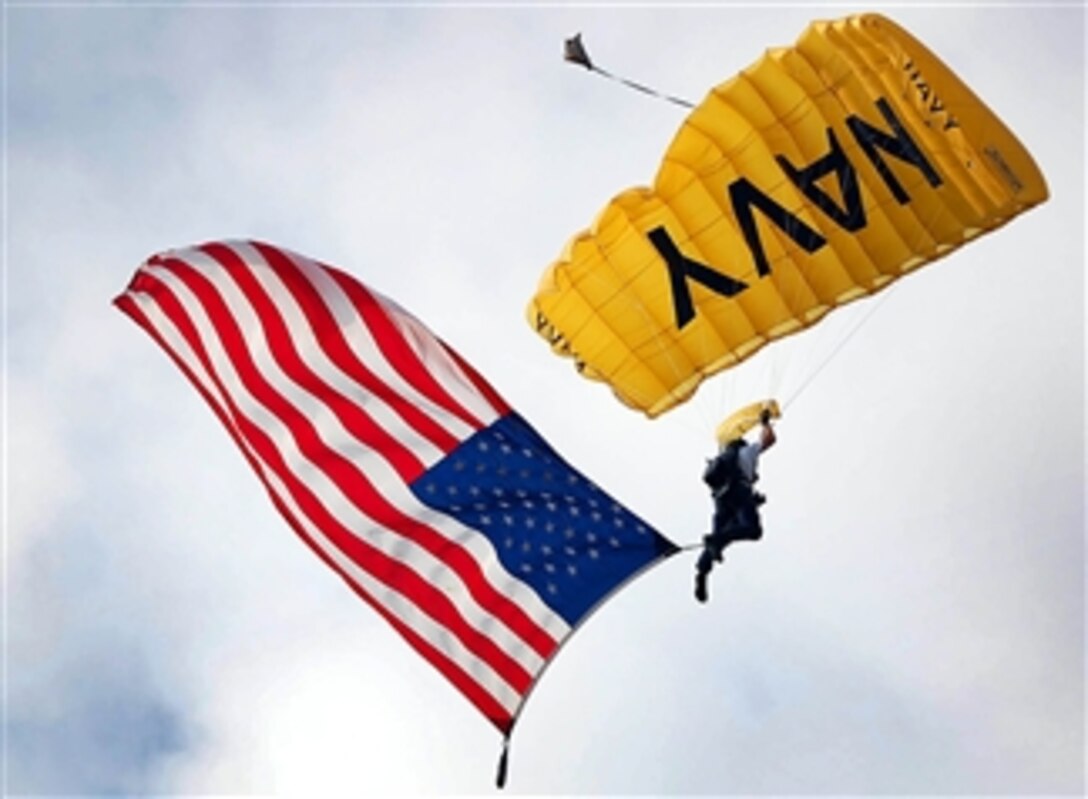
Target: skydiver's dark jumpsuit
x=736 y=504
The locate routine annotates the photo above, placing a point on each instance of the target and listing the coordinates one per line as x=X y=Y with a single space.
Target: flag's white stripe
x=365 y=348
x=171 y=335
x=310 y=350
x=438 y=361
x=327 y=491
x=484 y=553
x=376 y=362
x=371 y=462
x=402 y=608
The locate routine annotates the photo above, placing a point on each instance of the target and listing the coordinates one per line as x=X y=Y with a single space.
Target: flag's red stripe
x=350 y=413
x=127 y=304
x=388 y=570
x=344 y=474
x=464 y=683
x=396 y=350
x=460 y=679
x=485 y=388
x=332 y=341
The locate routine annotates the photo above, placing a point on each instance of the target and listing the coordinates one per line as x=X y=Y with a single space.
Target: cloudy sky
x=913 y=621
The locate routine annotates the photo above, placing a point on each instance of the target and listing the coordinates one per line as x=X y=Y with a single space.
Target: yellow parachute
x=814 y=177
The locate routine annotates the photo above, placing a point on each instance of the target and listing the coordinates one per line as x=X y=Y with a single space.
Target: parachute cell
x=816 y=176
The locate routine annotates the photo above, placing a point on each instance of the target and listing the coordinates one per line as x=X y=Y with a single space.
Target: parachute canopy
x=816 y=176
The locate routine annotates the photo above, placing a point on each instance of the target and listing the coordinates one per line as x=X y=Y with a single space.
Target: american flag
x=401 y=468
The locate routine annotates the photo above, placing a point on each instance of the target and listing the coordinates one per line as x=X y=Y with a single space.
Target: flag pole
x=500 y=777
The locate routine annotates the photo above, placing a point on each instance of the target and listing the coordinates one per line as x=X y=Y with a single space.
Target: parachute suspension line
x=575 y=52
x=779 y=360
x=839 y=347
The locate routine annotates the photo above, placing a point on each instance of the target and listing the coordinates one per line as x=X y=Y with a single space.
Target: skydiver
x=731 y=475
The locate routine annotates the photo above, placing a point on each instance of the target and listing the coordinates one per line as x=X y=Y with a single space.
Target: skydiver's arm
x=767 y=436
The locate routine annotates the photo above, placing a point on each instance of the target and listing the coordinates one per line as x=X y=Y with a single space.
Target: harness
x=736 y=503
x=723 y=473
x=731 y=489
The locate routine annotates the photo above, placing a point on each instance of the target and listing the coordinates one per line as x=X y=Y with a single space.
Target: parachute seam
x=863 y=81
x=936 y=145
x=867 y=281
x=959 y=177
x=704 y=360
x=625 y=284
x=728 y=217
x=793 y=297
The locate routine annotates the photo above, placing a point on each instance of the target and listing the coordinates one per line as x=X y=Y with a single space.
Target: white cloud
x=41 y=482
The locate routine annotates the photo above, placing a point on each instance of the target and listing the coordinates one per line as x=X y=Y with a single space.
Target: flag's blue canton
x=551 y=527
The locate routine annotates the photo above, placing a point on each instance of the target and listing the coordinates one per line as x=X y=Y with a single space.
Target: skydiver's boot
x=700 y=586
x=702 y=569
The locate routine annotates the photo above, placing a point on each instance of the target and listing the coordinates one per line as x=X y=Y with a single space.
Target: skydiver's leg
x=748 y=526
x=706 y=560
x=702 y=569
x=713 y=545
x=721 y=536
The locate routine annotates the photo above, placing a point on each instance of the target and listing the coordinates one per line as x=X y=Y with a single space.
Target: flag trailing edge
x=395 y=462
